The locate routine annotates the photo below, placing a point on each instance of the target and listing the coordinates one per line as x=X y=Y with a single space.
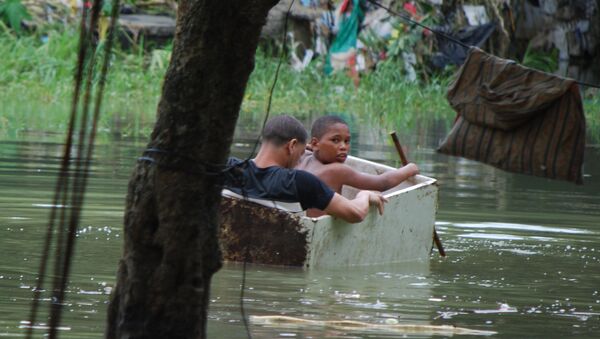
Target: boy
x=271 y=175
x=330 y=144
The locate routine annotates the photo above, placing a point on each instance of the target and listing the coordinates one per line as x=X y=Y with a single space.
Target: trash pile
x=357 y=35
x=572 y=28
x=48 y=12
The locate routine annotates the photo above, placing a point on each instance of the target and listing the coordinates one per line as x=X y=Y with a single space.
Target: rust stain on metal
x=271 y=236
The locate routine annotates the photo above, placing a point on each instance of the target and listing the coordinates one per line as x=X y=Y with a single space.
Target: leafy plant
x=13 y=13
x=543 y=61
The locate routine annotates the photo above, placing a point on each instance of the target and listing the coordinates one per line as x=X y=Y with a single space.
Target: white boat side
x=403 y=233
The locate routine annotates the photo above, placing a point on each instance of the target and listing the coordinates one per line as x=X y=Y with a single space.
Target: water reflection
x=547 y=276
x=375 y=295
x=523 y=252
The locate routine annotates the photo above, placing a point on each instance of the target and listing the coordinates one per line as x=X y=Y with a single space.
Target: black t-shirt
x=278 y=183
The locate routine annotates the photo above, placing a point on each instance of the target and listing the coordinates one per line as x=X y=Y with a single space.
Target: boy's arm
x=345 y=175
x=355 y=210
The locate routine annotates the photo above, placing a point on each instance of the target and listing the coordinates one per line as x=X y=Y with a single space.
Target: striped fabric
x=517 y=119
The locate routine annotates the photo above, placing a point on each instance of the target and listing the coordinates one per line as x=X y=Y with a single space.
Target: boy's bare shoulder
x=312 y=164
x=308 y=162
x=336 y=168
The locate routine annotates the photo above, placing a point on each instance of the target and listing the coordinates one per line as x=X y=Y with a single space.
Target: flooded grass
x=36 y=77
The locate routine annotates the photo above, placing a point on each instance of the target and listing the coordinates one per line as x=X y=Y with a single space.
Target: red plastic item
x=410 y=8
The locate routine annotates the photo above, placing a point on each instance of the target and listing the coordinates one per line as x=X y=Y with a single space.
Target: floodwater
x=523 y=253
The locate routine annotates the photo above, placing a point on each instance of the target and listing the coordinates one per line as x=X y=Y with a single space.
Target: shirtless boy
x=330 y=144
x=271 y=175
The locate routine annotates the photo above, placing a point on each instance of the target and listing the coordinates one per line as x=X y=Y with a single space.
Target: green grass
x=36 y=81
x=36 y=85
x=591 y=106
x=383 y=95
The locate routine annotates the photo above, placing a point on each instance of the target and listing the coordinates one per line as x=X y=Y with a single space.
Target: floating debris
x=351 y=325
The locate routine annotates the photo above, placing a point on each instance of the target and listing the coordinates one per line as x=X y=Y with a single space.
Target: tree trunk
x=171 y=249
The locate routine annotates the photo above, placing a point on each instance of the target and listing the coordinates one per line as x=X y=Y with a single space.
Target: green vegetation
x=383 y=96
x=36 y=80
x=547 y=62
x=12 y=13
x=591 y=106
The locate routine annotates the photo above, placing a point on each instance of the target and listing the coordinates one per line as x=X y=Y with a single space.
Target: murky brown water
x=523 y=252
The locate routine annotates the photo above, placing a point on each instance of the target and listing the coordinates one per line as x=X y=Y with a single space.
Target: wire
x=223 y=170
x=270 y=99
x=448 y=37
x=586 y=84
x=242 y=288
x=268 y=111
x=407 y=18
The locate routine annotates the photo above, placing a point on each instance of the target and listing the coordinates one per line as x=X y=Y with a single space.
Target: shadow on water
x=523 y=252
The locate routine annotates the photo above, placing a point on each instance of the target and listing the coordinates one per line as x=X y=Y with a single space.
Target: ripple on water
x=522 y=227
x=495 y=236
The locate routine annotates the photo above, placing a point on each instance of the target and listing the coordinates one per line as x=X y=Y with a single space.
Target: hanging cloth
x=517 y=119
x=349 y=18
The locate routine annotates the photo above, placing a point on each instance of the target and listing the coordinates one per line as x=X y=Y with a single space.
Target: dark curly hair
x=322 y=124
x=283 y=128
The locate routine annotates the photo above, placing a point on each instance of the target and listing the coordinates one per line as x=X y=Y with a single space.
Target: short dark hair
x=283 y=128
x=322 y=124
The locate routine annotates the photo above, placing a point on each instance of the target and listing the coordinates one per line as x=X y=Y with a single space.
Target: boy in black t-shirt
x=281 y=184
x=271 y=175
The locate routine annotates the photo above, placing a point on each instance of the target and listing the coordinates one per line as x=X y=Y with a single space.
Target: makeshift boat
x=275 y=233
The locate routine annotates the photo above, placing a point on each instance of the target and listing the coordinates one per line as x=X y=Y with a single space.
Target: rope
x=180 y=162
x=448 y=37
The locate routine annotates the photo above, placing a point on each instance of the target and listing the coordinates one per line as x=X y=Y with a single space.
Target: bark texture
x=171 y=224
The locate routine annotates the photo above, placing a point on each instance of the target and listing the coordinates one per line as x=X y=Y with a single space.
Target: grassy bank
x=36 y=79
x=36 y=82
x=36 y=85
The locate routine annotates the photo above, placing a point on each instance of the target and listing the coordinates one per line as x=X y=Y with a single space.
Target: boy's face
x=334 y=145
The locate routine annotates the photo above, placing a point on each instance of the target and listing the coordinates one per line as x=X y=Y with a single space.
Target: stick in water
x=436 y=238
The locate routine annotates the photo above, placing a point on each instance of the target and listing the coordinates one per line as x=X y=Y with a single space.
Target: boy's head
x=330 y=139
x=289 y=135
